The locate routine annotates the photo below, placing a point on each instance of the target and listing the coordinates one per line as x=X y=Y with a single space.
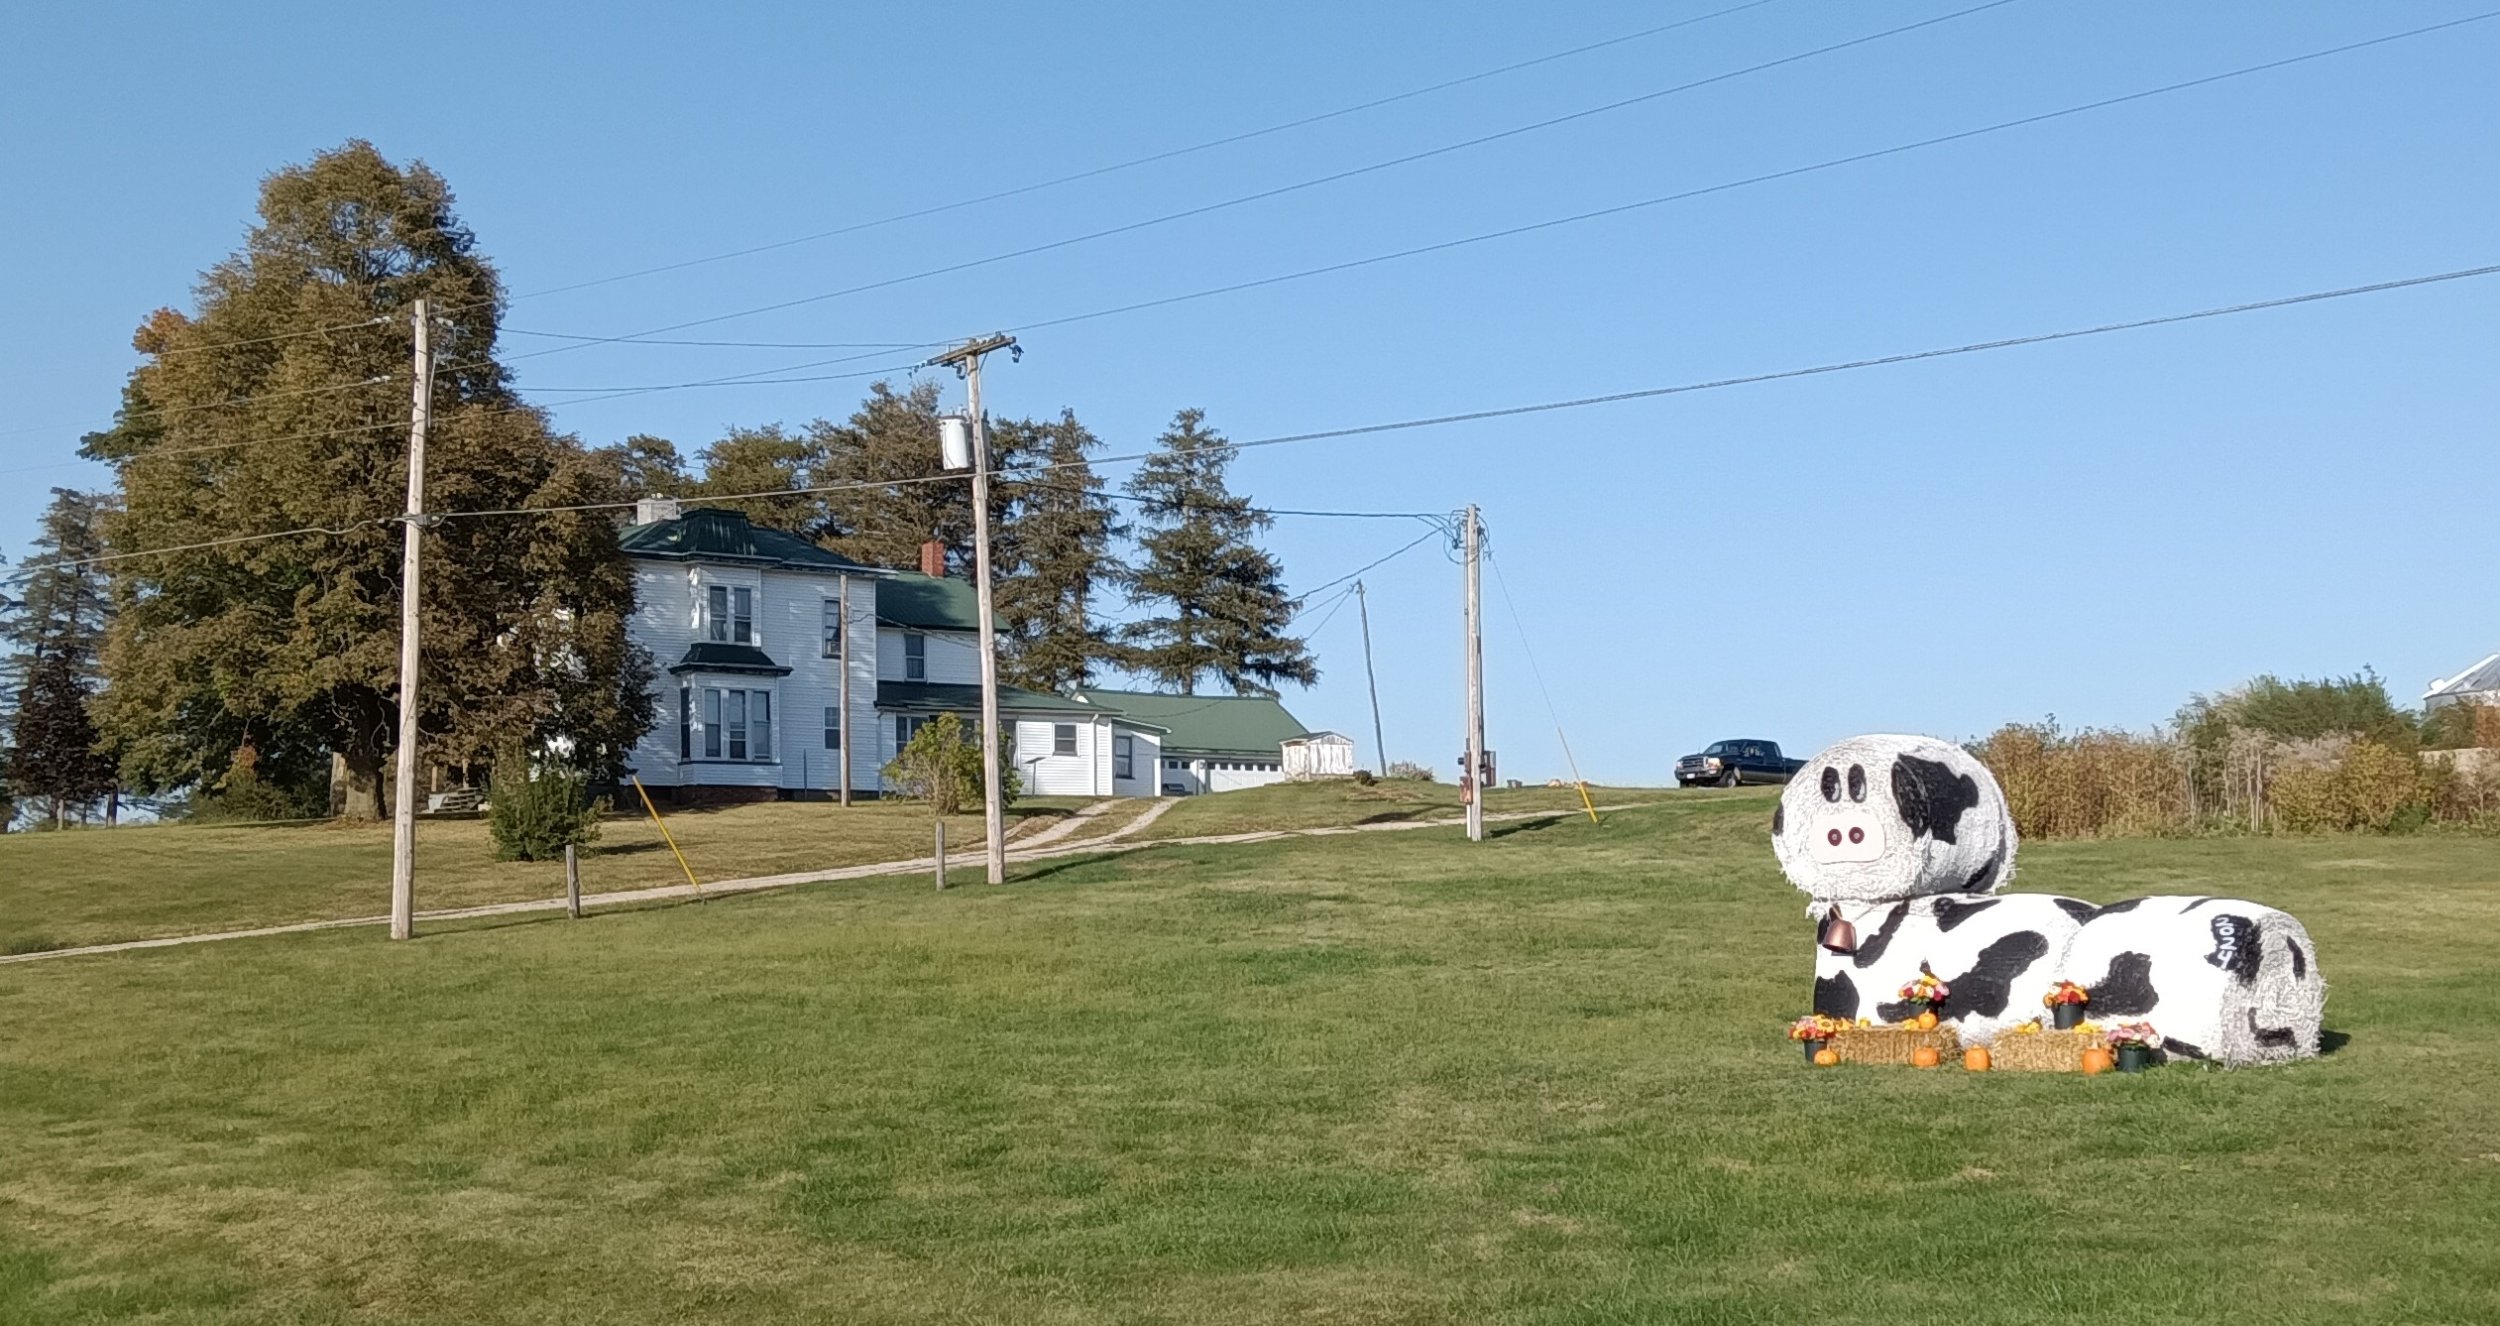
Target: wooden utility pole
x=1380 y=744
x=1473 y=539
x=966 y=359
x=572 y=882
x=842 y=663
x=404 y=813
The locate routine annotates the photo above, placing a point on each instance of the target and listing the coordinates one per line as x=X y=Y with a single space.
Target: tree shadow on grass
x=1524 y=826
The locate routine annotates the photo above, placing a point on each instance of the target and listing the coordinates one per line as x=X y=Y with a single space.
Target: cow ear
x=1932 y=798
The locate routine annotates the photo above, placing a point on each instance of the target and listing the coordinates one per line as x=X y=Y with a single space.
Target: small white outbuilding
x=1319 y=755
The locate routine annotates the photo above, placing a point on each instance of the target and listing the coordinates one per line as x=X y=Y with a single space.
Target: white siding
x=1145 y=764
x=954 y=656
x=788 y=625
x=1086 y=773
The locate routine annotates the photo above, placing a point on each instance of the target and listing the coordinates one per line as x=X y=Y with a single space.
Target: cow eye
x=1857 y=782
x=1831 y=783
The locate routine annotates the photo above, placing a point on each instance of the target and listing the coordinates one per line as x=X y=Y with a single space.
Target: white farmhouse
x=754 y=630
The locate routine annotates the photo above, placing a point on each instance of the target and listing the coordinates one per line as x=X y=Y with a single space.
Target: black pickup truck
x=1727 y=763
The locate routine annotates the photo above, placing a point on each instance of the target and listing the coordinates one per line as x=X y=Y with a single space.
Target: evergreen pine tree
x=53 y=629
x=52 y=743
x=1055 y=554
x=1223 y=600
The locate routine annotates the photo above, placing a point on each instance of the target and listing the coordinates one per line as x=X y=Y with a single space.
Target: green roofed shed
x=1209 y=726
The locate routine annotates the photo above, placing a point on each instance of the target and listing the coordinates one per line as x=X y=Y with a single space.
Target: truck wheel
x=1728 y=778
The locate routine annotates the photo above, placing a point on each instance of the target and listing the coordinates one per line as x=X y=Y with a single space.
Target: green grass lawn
x=1377 y=1078
x=1320 y=804
x=95 y=886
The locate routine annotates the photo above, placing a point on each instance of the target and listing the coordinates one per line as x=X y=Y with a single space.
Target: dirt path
x=1037 y=848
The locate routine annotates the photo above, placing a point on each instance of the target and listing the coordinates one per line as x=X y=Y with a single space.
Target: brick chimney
x=649 y=510
x=932 y=558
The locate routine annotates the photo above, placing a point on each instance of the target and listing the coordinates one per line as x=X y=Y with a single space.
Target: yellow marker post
x=1576 y=779
x=664 y=835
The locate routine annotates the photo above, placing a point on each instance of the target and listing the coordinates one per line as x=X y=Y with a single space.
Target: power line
x=755 y=345
x=1280 y=190
x=761 y=377
x=1793 y=172
x=1470 y=416
x=1149 y=159
x=1093 y=173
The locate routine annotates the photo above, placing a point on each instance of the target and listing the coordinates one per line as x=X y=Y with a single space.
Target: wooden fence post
x=941 y=854
x=572 y=882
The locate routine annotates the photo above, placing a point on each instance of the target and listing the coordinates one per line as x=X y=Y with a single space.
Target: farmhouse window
x=906 y=727
x=685 y=722
x=832 y=647
x=730 y=615
x=737 y=724
x=915 y=656
x=1063 y=738
x=833 y=728
x=1124 y=757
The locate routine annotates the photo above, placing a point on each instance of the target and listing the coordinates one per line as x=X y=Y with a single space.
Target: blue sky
x=2092 y=529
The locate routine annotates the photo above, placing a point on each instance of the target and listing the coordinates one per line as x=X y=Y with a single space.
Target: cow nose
x=1856 y=835
x=1833 y=837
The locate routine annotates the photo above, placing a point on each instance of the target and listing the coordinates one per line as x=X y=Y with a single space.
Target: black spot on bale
x=1987 y=987
x=1836 y=995
x=2300 y=960
x=2271 y=1035
x=2126 y=991
x=2179 y=1049
x=2237 y=947
x=2115 y=908
x=2077 y=908
x=1985 y=878
x=1950 y=913
x=1931 y=796
x=1870 y=949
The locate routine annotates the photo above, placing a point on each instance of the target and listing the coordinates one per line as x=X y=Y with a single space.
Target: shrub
x=941 y=767
x=2088 y=783
x=1363 y=778
x=1408 y=769
x=534 y=813
x=241 y=798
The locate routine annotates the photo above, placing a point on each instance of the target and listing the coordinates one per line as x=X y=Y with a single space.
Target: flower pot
x=2134 y=1058
x=1811 y=1047
x=2066 y=1016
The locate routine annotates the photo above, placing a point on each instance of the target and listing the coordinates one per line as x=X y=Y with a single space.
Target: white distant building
x=1319 y=755
x=747 y=627
x=2479 y=684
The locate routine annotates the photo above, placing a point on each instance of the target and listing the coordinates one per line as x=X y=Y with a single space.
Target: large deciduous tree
x=280 y=406
x=1220 y=604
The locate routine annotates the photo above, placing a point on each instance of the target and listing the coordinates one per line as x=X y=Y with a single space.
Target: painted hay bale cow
x=2223 y=979
x=1902 y=843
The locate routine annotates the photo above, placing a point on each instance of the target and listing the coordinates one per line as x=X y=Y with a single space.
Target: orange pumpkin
x=1976 y=1059
x=1925 y=1056
x=2096 y=1061
x=1927 y=1020
x=1826 y=1058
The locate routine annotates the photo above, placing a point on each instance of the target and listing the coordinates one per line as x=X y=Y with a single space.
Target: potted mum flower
x=1814 y=1031
x=1926 y=989
x=2065 y=1004
x=2133 y=1043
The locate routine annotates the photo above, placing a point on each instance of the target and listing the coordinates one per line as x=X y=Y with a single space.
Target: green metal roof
x=1253 y=725
x=944 y=697
x=713 y=656
x=711 y=533
x=931 y=603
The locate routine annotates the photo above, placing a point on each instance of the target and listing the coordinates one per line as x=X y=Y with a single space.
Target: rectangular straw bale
x=1893 y=1045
